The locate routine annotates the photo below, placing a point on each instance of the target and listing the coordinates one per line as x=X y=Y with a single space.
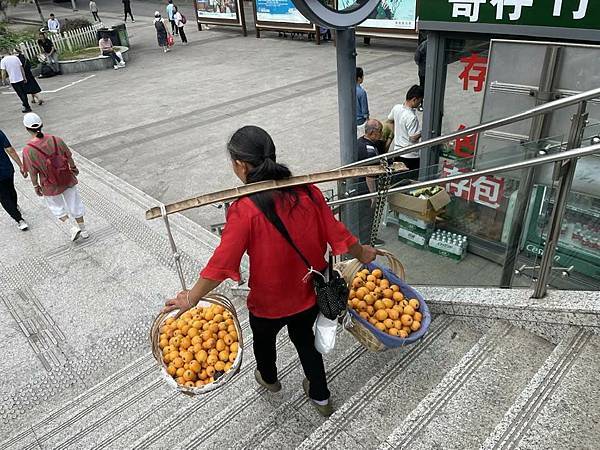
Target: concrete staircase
x=488 y=386
x=485 y=376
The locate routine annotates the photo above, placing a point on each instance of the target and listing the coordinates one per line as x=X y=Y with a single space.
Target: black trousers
x=96 y=17
x=113 y=56
x=128 y=11
x=8 y=198
x=173 y=27
x=20 y=90
x=182 y=34
x=301 y=334
x=422 y=80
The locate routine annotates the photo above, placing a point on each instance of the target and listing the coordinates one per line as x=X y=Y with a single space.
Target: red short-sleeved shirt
x=276 y=281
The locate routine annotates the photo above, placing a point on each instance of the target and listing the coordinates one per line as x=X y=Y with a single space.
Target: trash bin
x=122 y=35
x=112 y=34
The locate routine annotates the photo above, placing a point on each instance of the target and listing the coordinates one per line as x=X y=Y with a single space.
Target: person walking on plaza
x=8 y=194
x=179 y=24
x=127 y=10
x=407 y=130
x=53 y=174
x=369 y=145
x=94 y=11
x=161 y=31
x=362 y=102
x=11 y=68
x=49 y=51
x=107 y=49
x=53 y=24
x=31 y=85
x=279 y=295
x=171 y=16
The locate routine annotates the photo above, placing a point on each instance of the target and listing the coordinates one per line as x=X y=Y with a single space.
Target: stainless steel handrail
x=545 y=108
x=569 y=154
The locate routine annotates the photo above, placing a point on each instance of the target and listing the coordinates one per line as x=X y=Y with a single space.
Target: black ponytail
x=253 y=145
x=37 y=131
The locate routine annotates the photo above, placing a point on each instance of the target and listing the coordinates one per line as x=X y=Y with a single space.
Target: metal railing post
x=563 y=173
x=526 y=183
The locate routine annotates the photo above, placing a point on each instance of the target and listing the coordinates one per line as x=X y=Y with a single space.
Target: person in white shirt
x=94 y=11
x=179 y=24
x=11 y=67
x=53 y=24
x=407 y=129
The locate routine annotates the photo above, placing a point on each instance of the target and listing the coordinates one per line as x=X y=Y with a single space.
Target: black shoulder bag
x=332 y=293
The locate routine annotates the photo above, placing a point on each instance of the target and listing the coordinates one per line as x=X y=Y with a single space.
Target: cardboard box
x=426 y=208
x=411 y=238
x=415 y=223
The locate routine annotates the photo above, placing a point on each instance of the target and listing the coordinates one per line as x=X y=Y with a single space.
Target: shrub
x=10 y=39
x=73 y=24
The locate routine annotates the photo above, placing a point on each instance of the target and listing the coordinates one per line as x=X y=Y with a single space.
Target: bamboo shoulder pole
x=234 y=193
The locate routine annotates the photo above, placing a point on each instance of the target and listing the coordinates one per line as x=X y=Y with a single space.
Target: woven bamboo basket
x=362 y=330
x=215 y=299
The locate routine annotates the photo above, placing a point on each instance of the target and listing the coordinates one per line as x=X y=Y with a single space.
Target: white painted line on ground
x=58 y=89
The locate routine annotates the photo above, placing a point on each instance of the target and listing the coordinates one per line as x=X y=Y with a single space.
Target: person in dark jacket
x=161 y=31
x=127 y=10
x=31 y=85
x=420 y=59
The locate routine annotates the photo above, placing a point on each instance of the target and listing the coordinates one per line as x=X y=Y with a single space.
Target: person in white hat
x=53 y=172
x=161 y=32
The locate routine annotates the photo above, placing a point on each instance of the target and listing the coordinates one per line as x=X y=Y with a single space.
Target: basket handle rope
x=351 y=267
x=176 y=254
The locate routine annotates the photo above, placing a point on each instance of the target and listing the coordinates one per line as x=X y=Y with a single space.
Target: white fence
x=69 y=40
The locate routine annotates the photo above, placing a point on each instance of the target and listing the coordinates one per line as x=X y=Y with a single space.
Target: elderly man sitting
x=106 y=47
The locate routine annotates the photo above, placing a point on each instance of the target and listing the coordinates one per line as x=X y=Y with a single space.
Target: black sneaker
x=378 y=242
x=26 y=110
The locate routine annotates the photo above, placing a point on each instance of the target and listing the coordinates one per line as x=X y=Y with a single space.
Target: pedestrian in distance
x=420 y=60
x=11 y=68
x=407 y=129
x=180 y=21
x=53 y=173
x=171 y=16
x=362 y=102
x=127 y=10
x=107 y=49
x=161 y=31
x=53 y=24
x=49 y=51
x=32 y=87
x=279 y=295
x=369 y=145
x=8 y=193
x=94 y=11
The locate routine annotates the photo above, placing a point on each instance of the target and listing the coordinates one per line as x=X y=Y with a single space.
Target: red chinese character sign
x=464 y=147
x=475 y=70
x=485 y=190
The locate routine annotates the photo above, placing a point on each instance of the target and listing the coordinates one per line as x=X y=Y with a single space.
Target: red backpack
x=58 y=171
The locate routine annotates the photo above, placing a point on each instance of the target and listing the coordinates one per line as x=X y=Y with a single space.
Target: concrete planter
x=91 y=64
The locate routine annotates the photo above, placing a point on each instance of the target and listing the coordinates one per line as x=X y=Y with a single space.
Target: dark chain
x=383 y=185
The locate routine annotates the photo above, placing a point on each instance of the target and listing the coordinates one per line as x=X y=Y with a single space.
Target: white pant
x=68 y=203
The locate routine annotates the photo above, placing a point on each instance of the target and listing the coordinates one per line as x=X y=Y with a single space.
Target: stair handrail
x=527 y=114
x=562 y=156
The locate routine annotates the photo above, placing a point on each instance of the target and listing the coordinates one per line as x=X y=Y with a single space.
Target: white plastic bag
x=325 y=331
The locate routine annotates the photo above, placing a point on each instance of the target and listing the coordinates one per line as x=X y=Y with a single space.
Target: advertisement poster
x=281 y=11
x=392 y=14
x=217 y=9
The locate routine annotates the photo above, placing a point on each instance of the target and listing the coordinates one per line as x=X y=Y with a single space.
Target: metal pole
x=39 y=9
x=526 y=183
x=346 y=76
x=564 y=172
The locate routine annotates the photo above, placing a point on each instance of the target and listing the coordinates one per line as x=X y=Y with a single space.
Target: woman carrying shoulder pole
x=280 y=295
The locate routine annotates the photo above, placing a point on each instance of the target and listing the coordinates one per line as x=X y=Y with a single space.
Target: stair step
x=293 y=420
x=372 y=412
x=474 y=396
x=258 y=403
x=560 y=407
x=171 y=423
x=85 y=403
